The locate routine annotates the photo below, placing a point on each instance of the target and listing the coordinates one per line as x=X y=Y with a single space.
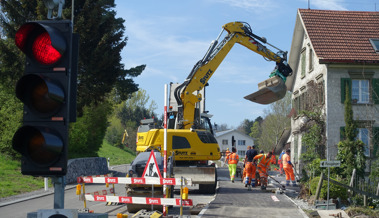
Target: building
x=332 y=51
x=225 y=138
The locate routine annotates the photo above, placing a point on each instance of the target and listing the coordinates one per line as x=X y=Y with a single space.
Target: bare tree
x=275 y=122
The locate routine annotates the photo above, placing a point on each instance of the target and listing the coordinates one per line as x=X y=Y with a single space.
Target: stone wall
x=85 y=167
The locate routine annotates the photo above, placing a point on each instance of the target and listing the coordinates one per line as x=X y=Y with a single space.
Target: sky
x=170 y=36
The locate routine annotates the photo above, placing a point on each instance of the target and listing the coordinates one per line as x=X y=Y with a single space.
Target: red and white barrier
x=133 y=180
x=138 y=200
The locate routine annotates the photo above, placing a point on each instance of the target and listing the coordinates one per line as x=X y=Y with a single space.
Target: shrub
x=335 y=191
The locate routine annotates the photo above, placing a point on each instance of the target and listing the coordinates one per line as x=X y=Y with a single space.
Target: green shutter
x=344 y=82
x=375 y=140
x=342 y=133
x=303 y=64
x=375 y=88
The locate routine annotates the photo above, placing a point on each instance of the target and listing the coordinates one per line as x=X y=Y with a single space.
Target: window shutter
x=342 y=133
x=345 y=81
x=375 y=141
x=375 y=89
x=303 y=64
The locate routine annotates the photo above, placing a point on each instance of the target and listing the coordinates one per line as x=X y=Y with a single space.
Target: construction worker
x=288 y=168
x=280 y=161
x=232 y=159
x=227 y=152
x=263 y=165
x=250 y=166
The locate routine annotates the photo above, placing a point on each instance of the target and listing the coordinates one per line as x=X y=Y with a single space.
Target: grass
x=116 y=155
x=12 y=182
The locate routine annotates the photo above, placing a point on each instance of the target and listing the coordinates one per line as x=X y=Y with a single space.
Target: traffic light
x=48 y=90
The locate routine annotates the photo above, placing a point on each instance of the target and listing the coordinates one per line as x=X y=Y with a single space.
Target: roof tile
x=342 y=36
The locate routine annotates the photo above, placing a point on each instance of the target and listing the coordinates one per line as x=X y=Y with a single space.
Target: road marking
x=274 y=198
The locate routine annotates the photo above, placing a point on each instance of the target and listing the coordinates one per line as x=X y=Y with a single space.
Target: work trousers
x=263 y=175
x=232 y=171
x=289 y=174
x=250 y=169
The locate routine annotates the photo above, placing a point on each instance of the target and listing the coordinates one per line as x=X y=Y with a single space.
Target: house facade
x=333 y=51
x=225 y=138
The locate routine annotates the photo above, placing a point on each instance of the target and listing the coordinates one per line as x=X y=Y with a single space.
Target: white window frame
x=224 y=142
x=241 y=142
x=241 y=153
x=360 y=90
x=364 y=136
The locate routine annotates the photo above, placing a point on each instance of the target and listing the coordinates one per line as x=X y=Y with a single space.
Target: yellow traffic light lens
x=43 y=51
x=43 y=96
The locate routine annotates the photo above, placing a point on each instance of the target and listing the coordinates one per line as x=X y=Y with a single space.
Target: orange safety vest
x=264 y=161
x=233 y=158
x=286 y=158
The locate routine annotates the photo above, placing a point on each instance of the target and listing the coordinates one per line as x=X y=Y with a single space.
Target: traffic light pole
x=59 y=185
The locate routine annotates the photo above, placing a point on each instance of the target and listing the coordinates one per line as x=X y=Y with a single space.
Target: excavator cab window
x=206 y=137
x=205 y=123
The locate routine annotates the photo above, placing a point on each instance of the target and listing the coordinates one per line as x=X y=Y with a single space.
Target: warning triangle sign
x=151 y=168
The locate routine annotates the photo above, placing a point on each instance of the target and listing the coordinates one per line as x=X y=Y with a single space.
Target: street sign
x=330 y=163
x=151 y=168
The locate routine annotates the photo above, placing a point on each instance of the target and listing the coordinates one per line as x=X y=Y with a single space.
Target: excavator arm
x=188 y=94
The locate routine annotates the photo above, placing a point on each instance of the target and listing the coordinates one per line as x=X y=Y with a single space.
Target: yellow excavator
x=190 y=139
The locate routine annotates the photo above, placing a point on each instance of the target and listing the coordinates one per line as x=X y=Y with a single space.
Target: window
x=224 y=141
x=363 y=135
x=206 y=137
x=375 y=44
x=241 y=154
x=310 y=66
x=360 y=91
x=241 y=142
x=180 y=142
x=303 y=63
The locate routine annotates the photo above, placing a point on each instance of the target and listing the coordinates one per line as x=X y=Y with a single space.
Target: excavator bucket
x=269 y=91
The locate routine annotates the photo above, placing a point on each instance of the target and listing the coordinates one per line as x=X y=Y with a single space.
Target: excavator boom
x=237 y=32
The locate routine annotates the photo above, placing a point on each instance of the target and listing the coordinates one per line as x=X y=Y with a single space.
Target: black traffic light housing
x=48 y=91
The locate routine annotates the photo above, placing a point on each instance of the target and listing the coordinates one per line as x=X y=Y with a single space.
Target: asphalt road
x=231 y=200
x=20 y=206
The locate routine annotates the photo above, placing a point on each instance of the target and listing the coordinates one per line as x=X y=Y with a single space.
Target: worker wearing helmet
x=227 y=152
x=263 y=165
x=250 y=166
x=232 y=159
x=288 y=168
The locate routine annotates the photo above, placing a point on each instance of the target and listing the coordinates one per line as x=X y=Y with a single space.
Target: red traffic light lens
x=42 y=145
x=41 y=42
x=43 y=51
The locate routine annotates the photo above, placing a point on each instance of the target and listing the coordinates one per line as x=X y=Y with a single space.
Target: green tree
x=245 y=126
x=127 y=116
x=99 y=72
x=255 y=132
x=87 y=133
x=350 y=150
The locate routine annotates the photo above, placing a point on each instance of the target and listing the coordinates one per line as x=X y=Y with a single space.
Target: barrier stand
x=181 y=199
x=96 y=196
x=81 y=185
